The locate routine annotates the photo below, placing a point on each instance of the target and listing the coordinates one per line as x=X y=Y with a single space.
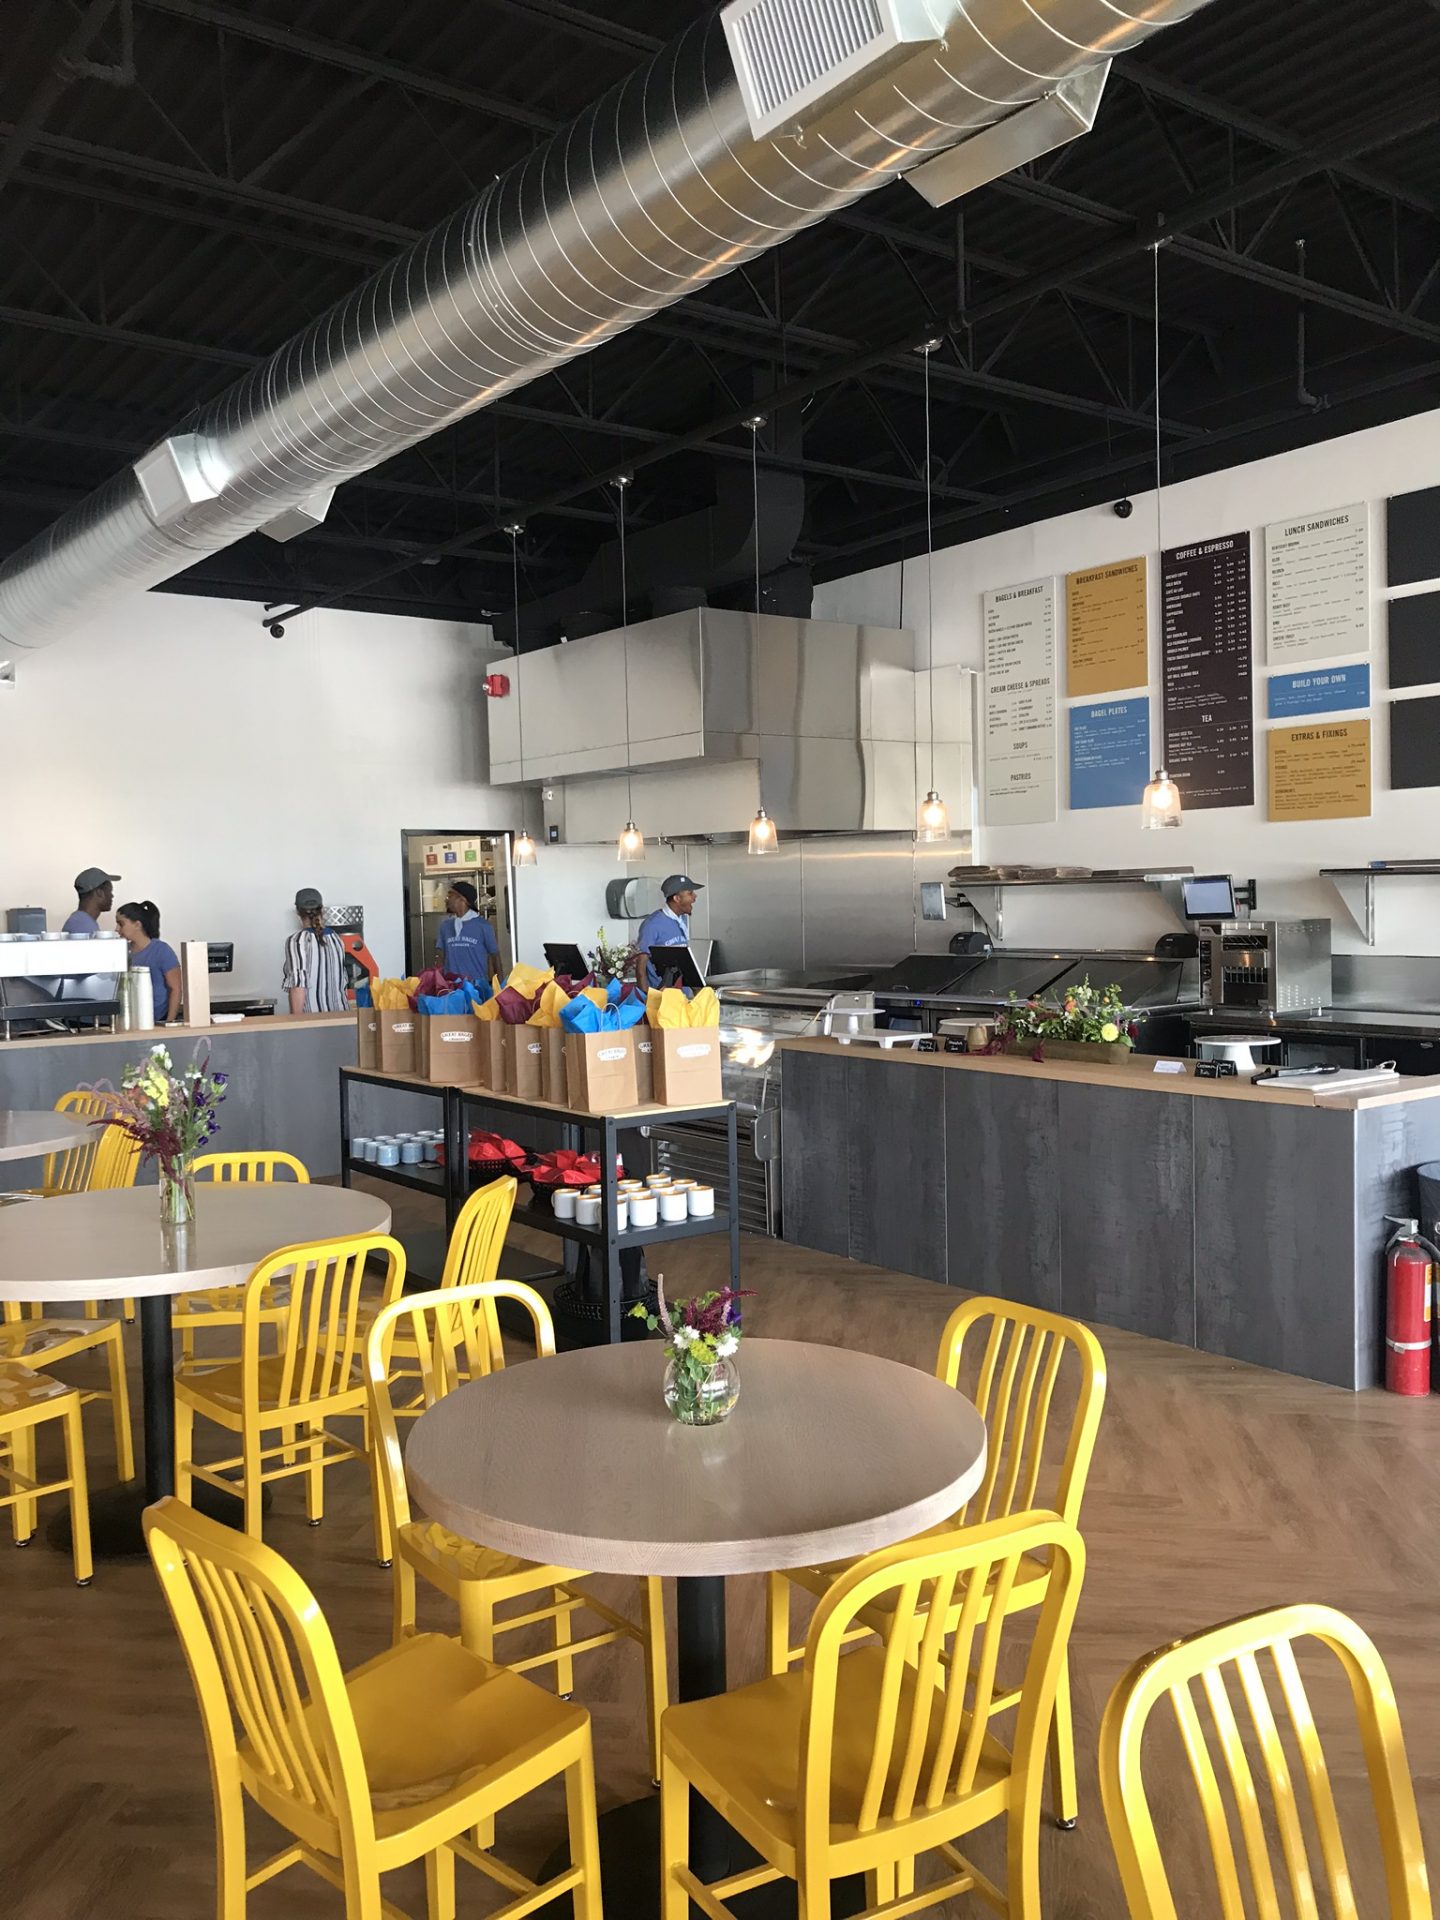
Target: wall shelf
x=984 y=895
x=1356 y=888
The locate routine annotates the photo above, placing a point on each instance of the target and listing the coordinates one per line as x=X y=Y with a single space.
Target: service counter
x=1241 y=1221
x=281 y=1090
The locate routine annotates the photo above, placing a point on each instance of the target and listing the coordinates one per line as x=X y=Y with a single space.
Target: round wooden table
x=111 y=1246
x=575 y=1461
x=25 y=1136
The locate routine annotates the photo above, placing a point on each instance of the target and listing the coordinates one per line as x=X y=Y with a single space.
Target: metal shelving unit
x=984 y=895
x=1358 y=883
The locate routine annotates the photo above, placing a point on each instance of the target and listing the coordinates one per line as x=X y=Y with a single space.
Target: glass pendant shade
x=932 y=819
x=631 y=844
x=1160 y=804
x=522 y=853
x=763 y=837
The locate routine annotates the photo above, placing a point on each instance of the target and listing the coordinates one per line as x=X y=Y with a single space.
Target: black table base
x=630 y=1835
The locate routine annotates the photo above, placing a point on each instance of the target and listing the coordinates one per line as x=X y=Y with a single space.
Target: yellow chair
x=455 y=1336
x=221 y=1306
x=1024 y=1355
x=36 y=1343
x=71 y=1170
x=864 y=1759
x=1251 y=1663
x=316 y=1377
x=27 y=1401
x=369 y=1770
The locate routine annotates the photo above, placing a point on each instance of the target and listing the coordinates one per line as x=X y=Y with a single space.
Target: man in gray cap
x=94 y=895
x=668 y=926
x=314 y=977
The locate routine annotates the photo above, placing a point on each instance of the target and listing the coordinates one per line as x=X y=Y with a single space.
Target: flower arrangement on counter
x=609 y=959
x=703 y=1336
x=1095 y=1016
x=170 y=1112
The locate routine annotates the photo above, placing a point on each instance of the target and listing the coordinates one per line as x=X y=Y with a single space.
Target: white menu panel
x=1020 y=704
x=1317 y=585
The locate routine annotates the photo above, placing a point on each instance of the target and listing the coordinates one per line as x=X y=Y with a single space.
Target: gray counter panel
x=896 y=1168
x=1003 y=1196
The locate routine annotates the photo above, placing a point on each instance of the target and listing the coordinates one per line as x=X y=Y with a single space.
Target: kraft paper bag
x=367 y=1038
x=492 y=1056
x=524 y=1062
x=644 y=1038
x=600 y=1071
x=398 y=1041
x=687 y=1067
x=554 y=1080
x=450 y=1049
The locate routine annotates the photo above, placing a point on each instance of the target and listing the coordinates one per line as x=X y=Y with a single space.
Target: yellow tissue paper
x=529 y=980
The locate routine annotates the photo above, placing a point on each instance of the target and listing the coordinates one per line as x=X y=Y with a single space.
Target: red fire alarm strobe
x=496 y=685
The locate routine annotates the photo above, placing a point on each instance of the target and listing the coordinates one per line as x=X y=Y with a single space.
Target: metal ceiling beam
x=62 y=71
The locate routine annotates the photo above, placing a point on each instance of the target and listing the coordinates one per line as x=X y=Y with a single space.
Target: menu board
x=1109 y=753
x=1207 y=715
x=1322 y=690
x=1105 y=629
x=1320 y=772
x=1415 y=640
x=1412 y=536
x=1414 y=731
x=1317 y=586
x=1020 y=704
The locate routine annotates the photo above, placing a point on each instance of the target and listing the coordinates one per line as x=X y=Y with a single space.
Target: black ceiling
x=184 y=183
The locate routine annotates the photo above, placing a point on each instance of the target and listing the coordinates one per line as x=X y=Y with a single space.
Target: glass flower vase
x=177 y=1195
x=701 y=1396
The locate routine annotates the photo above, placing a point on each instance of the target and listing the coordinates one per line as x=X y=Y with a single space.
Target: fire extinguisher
x=1409 y=1271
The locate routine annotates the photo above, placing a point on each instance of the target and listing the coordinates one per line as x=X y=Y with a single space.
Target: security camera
x=277 y=632
x=1123 y=509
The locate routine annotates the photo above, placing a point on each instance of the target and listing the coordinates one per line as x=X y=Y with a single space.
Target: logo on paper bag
x=532 y=1046
x=610 y=1053
x=458 y=1034
x=695 y=1050
x=644 y=1046
x=403 y=1026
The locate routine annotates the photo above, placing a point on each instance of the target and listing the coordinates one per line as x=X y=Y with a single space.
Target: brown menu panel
x=1320 y=772
x=1105 y=629
x=1207 y=707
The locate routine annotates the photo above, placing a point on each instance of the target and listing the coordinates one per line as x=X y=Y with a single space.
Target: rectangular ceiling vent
x=794 y=55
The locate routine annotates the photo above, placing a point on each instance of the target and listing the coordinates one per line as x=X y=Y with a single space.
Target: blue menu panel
x=1109 y=753
x=1321 y=690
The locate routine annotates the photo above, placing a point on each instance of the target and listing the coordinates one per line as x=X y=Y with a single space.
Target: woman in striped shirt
x=314 y=974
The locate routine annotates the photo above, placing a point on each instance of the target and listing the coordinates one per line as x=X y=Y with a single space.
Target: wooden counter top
x=180 y=1035
x=1138 y=1073
x=623 y=1116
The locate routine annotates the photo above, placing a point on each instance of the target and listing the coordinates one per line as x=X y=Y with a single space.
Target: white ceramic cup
x=702 y=1203
x=673 y=1205
x=622 y=1212
x=644 y=1210
x=682 y=1186
x=654 y=1180
x=564 y=1203
x=587 y=1210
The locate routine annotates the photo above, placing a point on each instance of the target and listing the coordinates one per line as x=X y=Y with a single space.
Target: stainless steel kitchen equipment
x=25 y=920
x=53 y=981
x=1278 y=966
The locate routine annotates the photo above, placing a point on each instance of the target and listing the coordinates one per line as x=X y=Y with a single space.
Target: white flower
x=725 y=1346
x=685 y=1336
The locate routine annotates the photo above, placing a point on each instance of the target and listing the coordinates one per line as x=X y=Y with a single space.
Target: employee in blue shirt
x=466 y=945
x=668 y=926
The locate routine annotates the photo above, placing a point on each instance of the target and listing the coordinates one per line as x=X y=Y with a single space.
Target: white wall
x=1283 y=855
x=174 y=742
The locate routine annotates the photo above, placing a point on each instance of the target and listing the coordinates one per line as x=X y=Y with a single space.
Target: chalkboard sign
x=1412 y=536
x=1415 y=640
x=1207 y=704
x=1415 y=742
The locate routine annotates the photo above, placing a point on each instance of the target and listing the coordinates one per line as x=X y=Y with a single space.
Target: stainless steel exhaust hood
x=665 y=184
x=830 y=721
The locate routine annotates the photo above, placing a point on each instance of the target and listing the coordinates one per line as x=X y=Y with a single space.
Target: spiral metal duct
x=654 y=191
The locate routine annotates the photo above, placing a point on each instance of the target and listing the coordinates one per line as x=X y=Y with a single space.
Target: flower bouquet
x=1090 y=1023
x=610 y=960
x=702 y=1382
x=170 y=1112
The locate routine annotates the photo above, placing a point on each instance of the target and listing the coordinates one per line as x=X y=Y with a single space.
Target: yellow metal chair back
x=248 y=1167
x=319 y=1350
x=933 y=1708
x=69 y=1171
x=1011 y=1360
x=261 y=1655
x=116 y=1162
x=1246 y=1669
x=479 y=1236
x=452 y=1334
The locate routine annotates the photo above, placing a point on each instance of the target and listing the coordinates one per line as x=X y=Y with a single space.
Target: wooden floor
x=1217 y=1489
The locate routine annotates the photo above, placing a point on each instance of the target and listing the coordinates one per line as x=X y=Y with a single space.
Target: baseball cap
x=674 y=883
x=308 y=900
x=465 y=891
x=92 y=878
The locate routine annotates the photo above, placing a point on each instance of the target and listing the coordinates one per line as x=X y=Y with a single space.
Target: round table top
x=105 y=1245
x=575 y=1461
x=25 y=1136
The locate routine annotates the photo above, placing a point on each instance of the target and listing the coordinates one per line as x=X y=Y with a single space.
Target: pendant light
x=932 y=818
x=762 y=837
x=1160 y=804
x=522 y=848
x=630 y=846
